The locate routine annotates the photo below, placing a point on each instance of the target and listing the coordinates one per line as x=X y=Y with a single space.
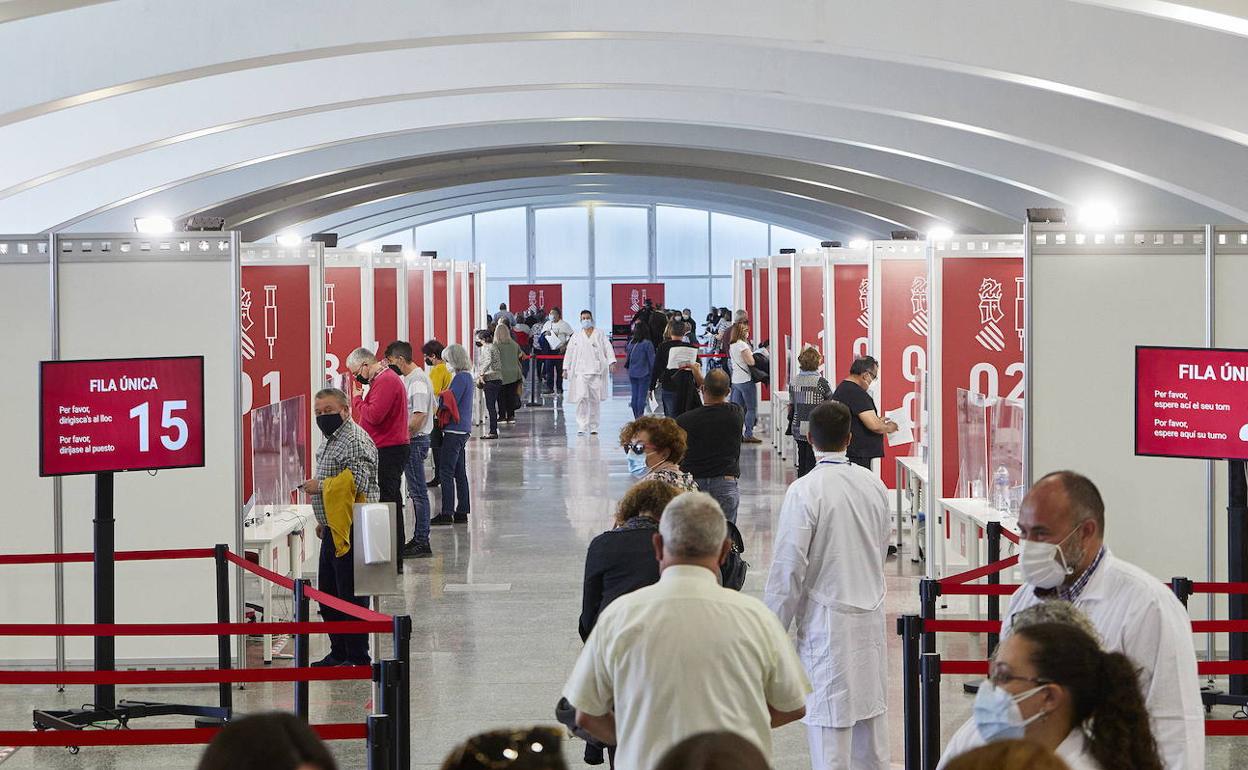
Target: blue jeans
x=640 y=387
x=416 y=488
x=725 y=492
x=745 y=395
x=453 y=475
x=668 y=397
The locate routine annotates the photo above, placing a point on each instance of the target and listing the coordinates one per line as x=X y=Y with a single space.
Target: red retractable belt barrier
x=978 y=572
x=189 y=676
x=620 y=356
x=168 y=737
x=1220 y=588
x=87 y=556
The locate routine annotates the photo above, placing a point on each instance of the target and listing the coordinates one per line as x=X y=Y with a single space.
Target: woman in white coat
x=587 y=366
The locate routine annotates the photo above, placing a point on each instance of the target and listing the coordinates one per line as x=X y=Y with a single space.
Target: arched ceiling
x=830 y=116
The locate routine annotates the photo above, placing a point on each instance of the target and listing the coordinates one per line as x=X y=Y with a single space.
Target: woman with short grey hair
x=452 y=472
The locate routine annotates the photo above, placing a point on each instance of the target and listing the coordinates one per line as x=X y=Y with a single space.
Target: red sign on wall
x=127 y=414
x=902 y=344
x=628 y=298
x=1191 y=402
x=981 y=340
x=385 y=306
x=527 y=297
x=852 y=296
x=811 y=320
x=344 y=319
x=276 y=324
x=416 y=300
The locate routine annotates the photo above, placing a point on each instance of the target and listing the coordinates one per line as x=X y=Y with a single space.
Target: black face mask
x=396 y=370
x=361 y=379
x=329 y=423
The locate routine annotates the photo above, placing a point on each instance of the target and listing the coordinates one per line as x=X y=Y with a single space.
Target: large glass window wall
x=589 y=247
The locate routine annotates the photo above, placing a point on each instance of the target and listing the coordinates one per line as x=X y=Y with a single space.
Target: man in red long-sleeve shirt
x=382 y=413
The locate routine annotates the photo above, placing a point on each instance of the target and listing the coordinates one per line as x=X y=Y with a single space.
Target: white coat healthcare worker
x=587 y=367
x=1062 y=523
x=827 y=575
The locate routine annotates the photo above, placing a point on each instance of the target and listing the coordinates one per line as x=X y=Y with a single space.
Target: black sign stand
x=105 y=707
x=1236 y=572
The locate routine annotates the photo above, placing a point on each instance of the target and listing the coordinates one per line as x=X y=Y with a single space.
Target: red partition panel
x=472 y=300
x=416 y=308
x=628 y=298
x=527 y=297
x=981 y=341
x=903 y=343
x=763 y=328
x=276 y=317
x=441 y=288
x=782 y=339
x=385 y=306
x=748 y=288
x=812 y=325
x=852 y=290
x=344 y=319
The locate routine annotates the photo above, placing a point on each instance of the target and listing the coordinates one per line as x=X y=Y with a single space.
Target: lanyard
x=833 y=462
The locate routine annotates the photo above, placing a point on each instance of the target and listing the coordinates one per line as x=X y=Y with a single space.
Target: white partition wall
x=389 y=300
x=348 y=307
x=807 y=305
x=124 y=296
x=28 y=520
x=1092 y=297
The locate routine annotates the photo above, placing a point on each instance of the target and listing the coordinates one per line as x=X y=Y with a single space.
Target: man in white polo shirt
x=421 y=410
x=686 y=655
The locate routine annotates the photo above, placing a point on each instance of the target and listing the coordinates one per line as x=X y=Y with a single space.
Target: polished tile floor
x=495 y=611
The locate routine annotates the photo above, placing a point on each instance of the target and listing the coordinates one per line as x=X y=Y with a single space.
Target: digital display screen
x=1191 y=402
x=121 y=414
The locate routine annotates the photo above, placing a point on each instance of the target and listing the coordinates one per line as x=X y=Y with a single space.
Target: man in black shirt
x=714 y=454
x=867 y=428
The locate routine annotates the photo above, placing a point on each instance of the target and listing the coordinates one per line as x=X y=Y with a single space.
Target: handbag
x=732 y=572
x=448 y=409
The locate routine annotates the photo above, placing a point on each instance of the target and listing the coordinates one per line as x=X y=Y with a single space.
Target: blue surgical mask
x=997 y=715
x=587 y=323
x=637 y=465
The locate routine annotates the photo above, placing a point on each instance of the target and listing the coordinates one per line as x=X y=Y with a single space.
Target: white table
x=968 y=521
x=912 y=478
x=780 y=408
x=279 y=537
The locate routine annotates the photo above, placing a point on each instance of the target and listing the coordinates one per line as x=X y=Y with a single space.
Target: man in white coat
x=1062 y=523
x=587 y=366
x=827 y=574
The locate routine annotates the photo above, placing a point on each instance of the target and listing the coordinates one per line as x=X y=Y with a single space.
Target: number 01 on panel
x=120 y=414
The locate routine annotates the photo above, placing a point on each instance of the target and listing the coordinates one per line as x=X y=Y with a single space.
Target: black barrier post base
x=929 y=677
x=403 y=684
x=105 y=707
x=908 y=628
x=1237 y=563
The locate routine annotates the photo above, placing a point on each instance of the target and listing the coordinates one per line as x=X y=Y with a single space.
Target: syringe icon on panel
x=270 y=317
x=330 y=315
x=1019 y=314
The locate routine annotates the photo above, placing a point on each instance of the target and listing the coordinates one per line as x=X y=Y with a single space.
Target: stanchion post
x=929 y=591
x=301 y=649
x=225 y=694
x=386 y=673
x=908 y=628
x=929 y=676
x=534 y=393
x=993 y=531
x=1182 y=588
x=379 y=730
x=403 y=684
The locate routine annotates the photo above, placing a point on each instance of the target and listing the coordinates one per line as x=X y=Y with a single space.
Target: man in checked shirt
x=346 y=445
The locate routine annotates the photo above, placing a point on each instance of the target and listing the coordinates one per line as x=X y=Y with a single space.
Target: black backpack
x=732 y=572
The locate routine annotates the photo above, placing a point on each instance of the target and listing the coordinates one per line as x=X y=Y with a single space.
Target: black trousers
x=863 y=461
x=805 y=458
x=391 y=463
x=336 y=577
x=492 y=390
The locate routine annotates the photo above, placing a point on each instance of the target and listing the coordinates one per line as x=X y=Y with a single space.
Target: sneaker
x=593 y=433
x=580 y=433
x=489 y=437
x=414 y=550
x=442 y=518
x=461 y=518
x=752 y=440
x=329 y=661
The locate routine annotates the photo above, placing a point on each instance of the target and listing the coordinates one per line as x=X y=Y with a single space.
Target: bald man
x=714 y=454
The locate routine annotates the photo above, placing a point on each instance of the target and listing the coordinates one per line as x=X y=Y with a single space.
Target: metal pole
x=403 y=703
x=534 y=365
x=1237 y=564
x=994 y=602
x=929 y=675
x=225 y=694
x=929 y=590
x=58 y=516
x=105 y=583
x=388 y=704
x=378 y=742
x=1211 y=514
x=908 y=628
x=301 y=649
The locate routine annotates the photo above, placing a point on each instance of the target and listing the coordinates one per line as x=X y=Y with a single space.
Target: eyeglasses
x=636 y=448
x=1002 y=678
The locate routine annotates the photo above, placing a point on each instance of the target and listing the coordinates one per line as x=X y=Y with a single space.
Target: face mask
x=997 y=715
x=479 y=343
x=396 y=370
x=361 y=379
x=587 y=323
x=329 y=423
x=637 y=465
x=1044 y=564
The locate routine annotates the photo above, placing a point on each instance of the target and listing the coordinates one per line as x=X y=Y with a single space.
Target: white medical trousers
x=861 y=747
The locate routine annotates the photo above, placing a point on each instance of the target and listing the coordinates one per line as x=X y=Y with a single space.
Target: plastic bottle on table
x=1001 y=489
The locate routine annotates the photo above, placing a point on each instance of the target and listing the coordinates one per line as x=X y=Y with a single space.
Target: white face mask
x=1044 y=565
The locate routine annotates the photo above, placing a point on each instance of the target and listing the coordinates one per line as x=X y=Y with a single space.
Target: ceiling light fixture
x=288 y=239
x=153 y=225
